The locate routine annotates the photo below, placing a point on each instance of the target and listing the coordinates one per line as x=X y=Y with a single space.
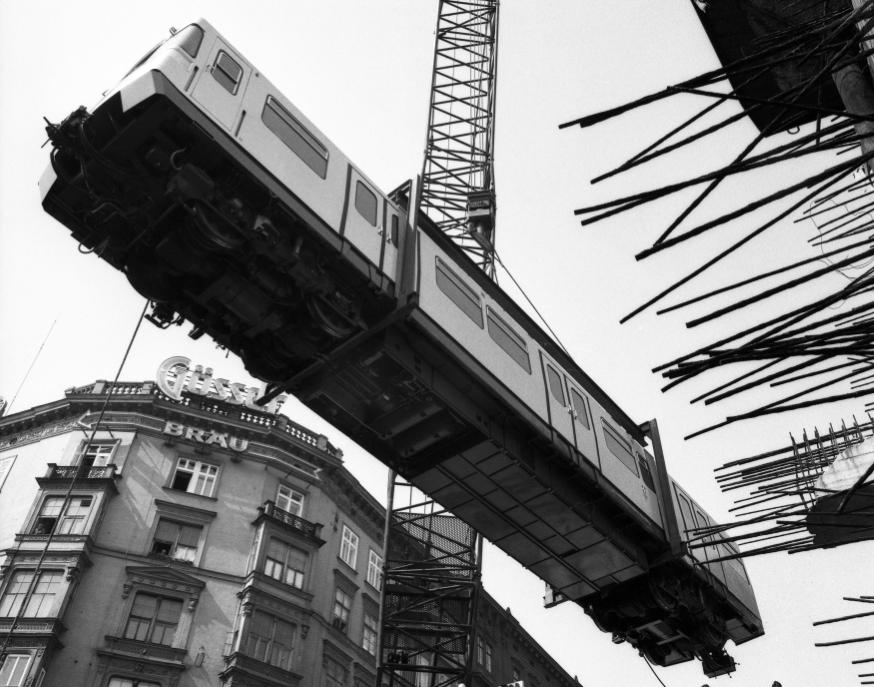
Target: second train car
x=227 y=208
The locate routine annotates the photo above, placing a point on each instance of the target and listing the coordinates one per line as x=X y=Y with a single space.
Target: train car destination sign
x=175 y=376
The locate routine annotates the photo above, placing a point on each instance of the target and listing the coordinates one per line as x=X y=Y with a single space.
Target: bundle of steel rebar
x=815 y=65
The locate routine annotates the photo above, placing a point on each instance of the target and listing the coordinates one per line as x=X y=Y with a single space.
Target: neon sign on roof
x=176 y=376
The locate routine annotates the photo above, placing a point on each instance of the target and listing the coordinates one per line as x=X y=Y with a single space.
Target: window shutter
x=276 y=549
x=189 y=535
x=297 y=559
x=166 y=531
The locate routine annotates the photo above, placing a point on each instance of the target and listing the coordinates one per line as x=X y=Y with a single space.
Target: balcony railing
x=232 y=412
x=132 y=647
x=304 y=527
x=74 y=471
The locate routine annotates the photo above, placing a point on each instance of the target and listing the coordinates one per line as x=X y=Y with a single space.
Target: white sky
x=361 y=72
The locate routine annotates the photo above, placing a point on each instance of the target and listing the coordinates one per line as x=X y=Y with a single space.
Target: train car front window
x=294 y=135
x=189 y=39
x=459 y=293
x=227 y=72
x=513 y=344
x=686 y=509
x=143 y=59
x=619 y=447
x=555 y=385
x=365 y=203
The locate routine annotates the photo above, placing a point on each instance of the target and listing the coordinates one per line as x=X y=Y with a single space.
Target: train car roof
x=736 y=29
x=534 y=329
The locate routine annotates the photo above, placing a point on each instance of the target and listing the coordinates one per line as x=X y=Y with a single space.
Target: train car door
x=560 y=410
x=583 y=425
x=220 y=88
x=390 y=242
x=363 y=218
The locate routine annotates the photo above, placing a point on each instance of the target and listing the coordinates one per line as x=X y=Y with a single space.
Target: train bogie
x=229 y=209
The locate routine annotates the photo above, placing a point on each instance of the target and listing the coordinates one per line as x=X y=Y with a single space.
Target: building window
x=290 y=501
x=488 y=663
x=41 y=602
x=337 y=675
x=73 y=520
x=177 y=541
x=349 y=547
x=270 y=640
x=374 y=570
x=517 y=676
x=14 y=670
x=342 y=606
x=153 y=619
x=195 y=477
x=285 y=563
x=130 y=682
x=5 y=467
x=97 y=454
x=480 y=651
x=370 y=634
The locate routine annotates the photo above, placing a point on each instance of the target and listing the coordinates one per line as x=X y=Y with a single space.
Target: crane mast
x=458 y=183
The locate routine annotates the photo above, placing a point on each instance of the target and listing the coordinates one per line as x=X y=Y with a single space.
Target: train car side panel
x=290 y=147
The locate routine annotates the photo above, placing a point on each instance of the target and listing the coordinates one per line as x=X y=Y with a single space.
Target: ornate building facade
x=192 y=540
x=195 y=541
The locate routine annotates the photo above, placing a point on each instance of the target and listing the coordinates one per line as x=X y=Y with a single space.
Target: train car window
x=394 y=229
x=294 y=135
x=143 y=59
x=555 y=385
x=645 y=472
x=579 y=404
x=365 y=203
x=738 y=567
x=686 y=509
x=227 y=72
x=513 y=344
x=189 y=39
x=619 y=447
x=459 y=293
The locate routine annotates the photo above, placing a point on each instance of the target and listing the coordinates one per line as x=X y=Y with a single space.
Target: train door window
x=295 y=135
x=555 y=385
x=579 y=404
x=513 y=344
x=645 y=472
x=365 y=203
x=227 y=72
x=459 y=293
x=394 y=230
x=619 y=447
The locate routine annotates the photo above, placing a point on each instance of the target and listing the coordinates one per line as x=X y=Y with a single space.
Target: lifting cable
x=68 y=497
x=27 y=374
x=522 y=291
x=653 y=670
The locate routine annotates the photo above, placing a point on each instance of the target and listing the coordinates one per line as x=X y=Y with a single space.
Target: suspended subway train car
x=227 y=208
